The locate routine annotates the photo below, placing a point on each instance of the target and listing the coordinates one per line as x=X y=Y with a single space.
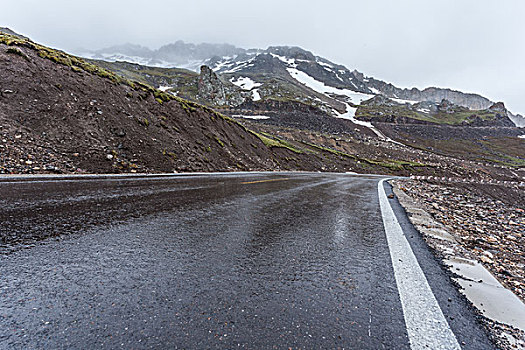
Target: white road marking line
x=426 y=325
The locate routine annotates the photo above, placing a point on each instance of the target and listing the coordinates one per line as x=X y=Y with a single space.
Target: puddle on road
x=483 y=290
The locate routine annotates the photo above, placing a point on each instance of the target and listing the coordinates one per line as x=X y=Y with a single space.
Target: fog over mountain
x=472 y=46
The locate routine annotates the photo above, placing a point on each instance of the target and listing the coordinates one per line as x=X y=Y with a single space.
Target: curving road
x=257 y=261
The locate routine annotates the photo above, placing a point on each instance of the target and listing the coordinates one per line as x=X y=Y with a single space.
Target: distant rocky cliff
x=432 y=94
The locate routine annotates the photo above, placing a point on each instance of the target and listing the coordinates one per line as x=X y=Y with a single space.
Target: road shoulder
x=459 y=313
x=497 y=308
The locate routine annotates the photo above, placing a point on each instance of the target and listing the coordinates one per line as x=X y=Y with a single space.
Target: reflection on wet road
x=253 y=261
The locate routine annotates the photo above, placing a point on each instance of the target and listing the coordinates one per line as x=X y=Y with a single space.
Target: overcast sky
x=469 y=45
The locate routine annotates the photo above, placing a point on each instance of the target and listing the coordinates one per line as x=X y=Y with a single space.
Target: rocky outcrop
x=517 y=119
x=499 y=107
x=380 y=100
x=210 y=87
x=212 y=90
x=446 y=106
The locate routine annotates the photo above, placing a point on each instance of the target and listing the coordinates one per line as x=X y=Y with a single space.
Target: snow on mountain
x=289 y=61
x=353 y=97
x=271 y=67
x=400 y=100
x=176 y=55
x=256 y=117
x=255 y=95
x=245 y=83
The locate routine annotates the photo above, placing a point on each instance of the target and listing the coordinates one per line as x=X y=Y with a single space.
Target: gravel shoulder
x=482 y=224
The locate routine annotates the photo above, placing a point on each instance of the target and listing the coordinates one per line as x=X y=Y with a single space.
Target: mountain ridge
x=62 y=114
x=227 y=59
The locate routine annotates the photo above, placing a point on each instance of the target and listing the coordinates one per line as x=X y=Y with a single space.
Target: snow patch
x=222 y=64
x=522 y=137
x=325 y=64
x=131 y=59
x=398 y=100
x=255 y=95
x=375 y=91
x=250 y=116
x=245 y=83
x=350 y=115
x=288 y=61
x=312 y=83
x=164 y=88
x=238 y=67
x=424 y=110
x=354 y=97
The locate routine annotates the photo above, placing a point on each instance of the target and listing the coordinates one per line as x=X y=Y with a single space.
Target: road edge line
x=425 y=322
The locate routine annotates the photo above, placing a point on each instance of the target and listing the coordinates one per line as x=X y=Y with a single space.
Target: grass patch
x=390 y=164
x=15 y=51
x=271 y=141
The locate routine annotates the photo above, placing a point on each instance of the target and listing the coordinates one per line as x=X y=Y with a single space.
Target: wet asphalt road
x=225 y=261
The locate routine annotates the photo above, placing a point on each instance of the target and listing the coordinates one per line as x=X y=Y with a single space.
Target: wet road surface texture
x=254 y=261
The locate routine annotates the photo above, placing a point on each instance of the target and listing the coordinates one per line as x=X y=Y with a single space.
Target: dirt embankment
x=53 y=118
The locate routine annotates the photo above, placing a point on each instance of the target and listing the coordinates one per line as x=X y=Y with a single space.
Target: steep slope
x=11 y=32
x=59 y=113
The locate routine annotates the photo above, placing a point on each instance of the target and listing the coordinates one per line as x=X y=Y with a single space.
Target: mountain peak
x=291 y=52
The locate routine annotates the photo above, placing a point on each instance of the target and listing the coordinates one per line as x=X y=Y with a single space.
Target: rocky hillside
x=206 y=88
x=288 y=73
x=385 y=110
x=59 y=113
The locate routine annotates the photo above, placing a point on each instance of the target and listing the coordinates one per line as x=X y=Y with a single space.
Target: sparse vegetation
x=333 y=151
x=458 y=116
x=272 y=141
x=143 y=122
x=15 y=51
